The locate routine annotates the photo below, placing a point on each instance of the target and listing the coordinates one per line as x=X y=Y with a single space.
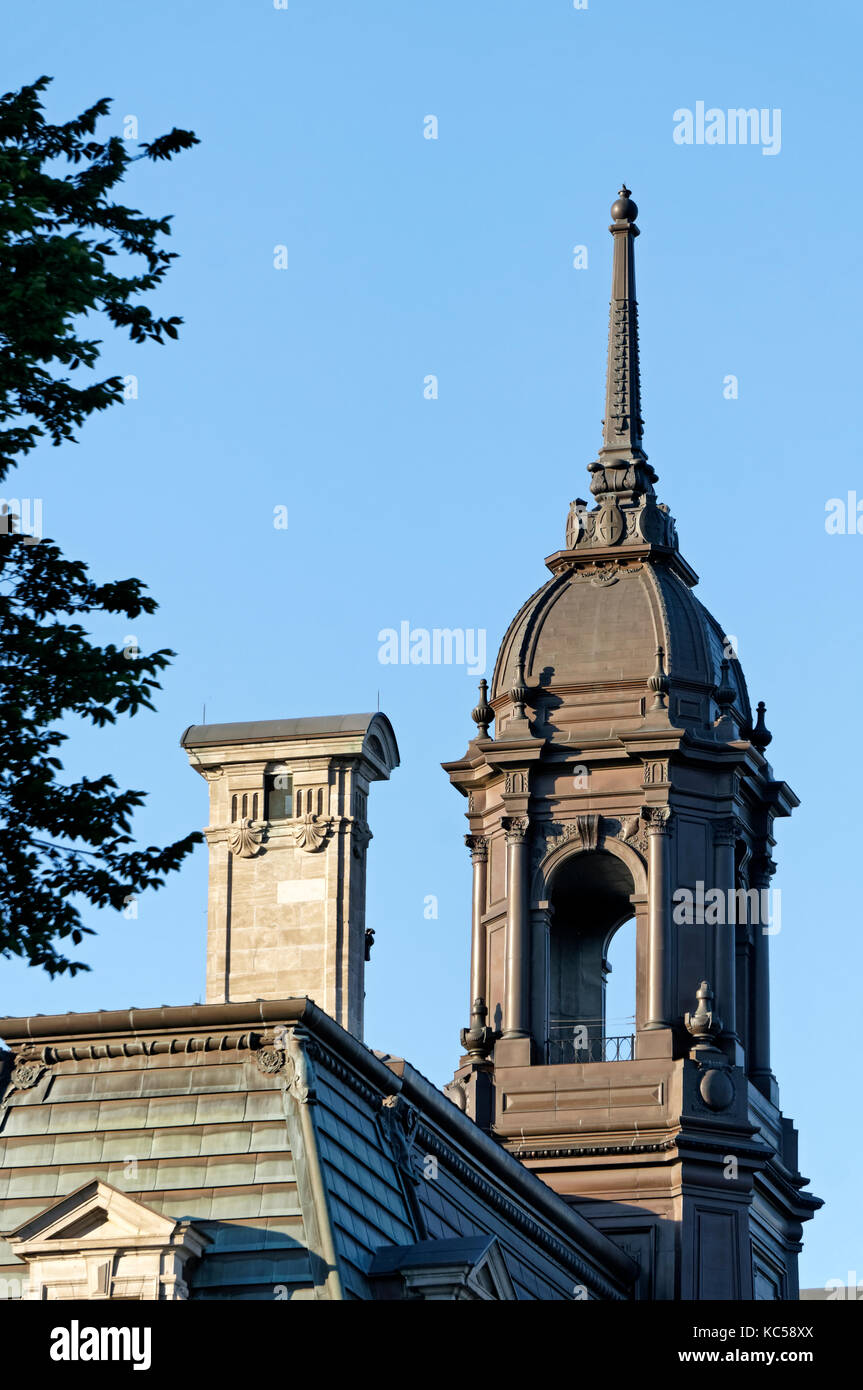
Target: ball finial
x=624 y=210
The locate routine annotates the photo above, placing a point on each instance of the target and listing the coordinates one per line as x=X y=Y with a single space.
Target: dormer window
x=99 y=1243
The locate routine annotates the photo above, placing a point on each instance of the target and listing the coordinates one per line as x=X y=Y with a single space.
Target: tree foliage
x=67 y=253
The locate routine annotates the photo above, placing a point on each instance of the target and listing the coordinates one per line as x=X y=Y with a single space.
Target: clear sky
x=304 y=388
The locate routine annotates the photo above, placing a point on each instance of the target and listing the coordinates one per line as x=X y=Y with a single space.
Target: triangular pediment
x=95 y=1214
x=490 y=1277
x=472 y=1264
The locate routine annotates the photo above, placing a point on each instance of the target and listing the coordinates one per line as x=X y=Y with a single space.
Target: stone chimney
x=288 y=836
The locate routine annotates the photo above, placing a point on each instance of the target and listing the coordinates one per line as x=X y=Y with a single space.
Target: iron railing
x=579 y=1042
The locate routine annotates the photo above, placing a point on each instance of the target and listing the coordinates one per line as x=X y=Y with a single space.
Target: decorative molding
x=311 y=833
x=270 y=1060
x=535 y=1233
x=657 y=819
x=762 y=870
x=361 y=836
x=726 y=830
x=515 y=828
x=478 y=846
x=568 y=832
x=588 y=829
x=593 y=1150
x=399 y=1121
x=148 y=1047
x=317 y=1052
x=606 y=572
x=655 y=772
x=246 y=837
x=516 y=783
x=283 y=1057
x=633 y=833
x=26 y=1073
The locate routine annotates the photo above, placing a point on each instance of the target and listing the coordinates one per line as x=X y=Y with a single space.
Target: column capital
x=726 y=830
x=657 y=819
x=478 y=846
x=515 y=828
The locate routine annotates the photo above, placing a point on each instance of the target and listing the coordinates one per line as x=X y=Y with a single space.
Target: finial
x=624 y=209
x=658 y=682
x=704 y=1023
x=518 y=693
x=761 y=735
x=482 y=714
x=725 y=694
x=623 y=425
x=477 y=1040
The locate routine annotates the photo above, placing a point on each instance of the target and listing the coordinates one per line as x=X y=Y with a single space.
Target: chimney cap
x=273 y=730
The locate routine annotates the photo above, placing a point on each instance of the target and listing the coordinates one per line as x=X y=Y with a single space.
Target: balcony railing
x=578 y=1042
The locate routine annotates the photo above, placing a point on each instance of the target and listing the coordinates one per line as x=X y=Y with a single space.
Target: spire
x=623 y=469
x=623 y=425
x=627 y=513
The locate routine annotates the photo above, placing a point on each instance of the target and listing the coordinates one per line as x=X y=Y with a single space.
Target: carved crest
x=610 y=524
x=26 y=1073
x=270 y=1060
x=245 y=838
x=311 y=832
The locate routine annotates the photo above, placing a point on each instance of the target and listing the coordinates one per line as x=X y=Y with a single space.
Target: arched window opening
x=591 y=899
x=620 y=989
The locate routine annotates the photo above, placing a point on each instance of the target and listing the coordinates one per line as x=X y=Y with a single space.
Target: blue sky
x=304 y=388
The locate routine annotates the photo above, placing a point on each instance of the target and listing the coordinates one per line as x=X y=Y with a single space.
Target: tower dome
x=594 y=630
x=586 y=643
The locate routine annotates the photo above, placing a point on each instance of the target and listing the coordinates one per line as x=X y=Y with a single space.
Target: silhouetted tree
x=67 y=252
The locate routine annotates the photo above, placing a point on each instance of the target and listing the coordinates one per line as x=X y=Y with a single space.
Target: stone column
x=478 y=846
x=657 y=819
x=724 y=950
x=762 y=870
x=743 y=936
x=540 y=928
x=478 y=1038
x=515 y=1006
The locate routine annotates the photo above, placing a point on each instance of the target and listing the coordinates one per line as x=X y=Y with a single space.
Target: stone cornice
x=562 y=560
x=170 y=1019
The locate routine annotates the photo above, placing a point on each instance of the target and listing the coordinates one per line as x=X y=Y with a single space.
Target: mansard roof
x=296 y=1152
